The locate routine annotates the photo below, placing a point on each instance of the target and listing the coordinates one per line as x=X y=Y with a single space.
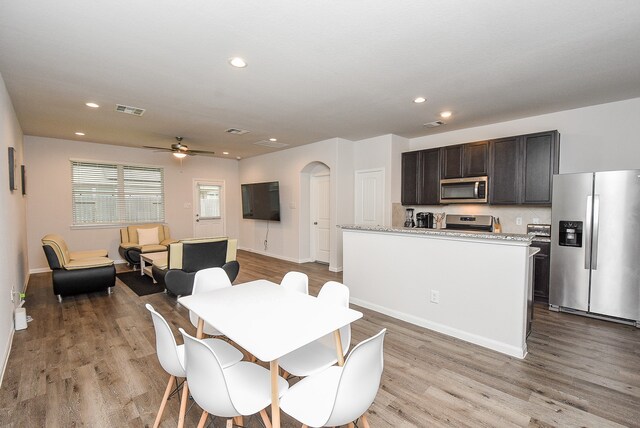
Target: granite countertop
x=514 y=237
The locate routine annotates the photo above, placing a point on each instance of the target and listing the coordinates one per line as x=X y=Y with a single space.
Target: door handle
x=587 y=233
x=594 y=235
x=315 y=223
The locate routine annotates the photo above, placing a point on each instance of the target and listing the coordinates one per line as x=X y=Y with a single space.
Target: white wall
x=49 y=193
x=596 y=138
x=375 y=153
x=285 y=240
x=13 y=230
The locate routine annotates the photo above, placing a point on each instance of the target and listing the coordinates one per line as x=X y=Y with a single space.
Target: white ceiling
x=316 y=69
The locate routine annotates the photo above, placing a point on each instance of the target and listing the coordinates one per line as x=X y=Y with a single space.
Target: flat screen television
x=261 y=201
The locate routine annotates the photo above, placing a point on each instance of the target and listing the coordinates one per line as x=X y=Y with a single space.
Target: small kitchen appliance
x=424 y=220
x=408 y=218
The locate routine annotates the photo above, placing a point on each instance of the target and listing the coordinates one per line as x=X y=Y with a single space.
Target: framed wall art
x=23 y=178
x=12 y=169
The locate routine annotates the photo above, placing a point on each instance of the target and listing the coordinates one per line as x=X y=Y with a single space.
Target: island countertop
x=473 y=286
x=514 y=237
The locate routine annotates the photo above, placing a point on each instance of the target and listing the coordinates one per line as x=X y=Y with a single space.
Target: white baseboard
x=275 y=256
x=335 y=269
x=6 y=353
x=505 y=348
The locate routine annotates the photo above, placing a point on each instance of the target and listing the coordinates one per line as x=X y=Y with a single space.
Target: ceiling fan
x=180 y=150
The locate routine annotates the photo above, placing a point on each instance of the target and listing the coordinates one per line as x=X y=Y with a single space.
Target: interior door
x=320 y=218
x=208 y=206
x=615 y=266
x=369 y=197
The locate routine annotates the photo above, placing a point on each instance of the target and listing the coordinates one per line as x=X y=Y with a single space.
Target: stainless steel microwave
x=469 y=190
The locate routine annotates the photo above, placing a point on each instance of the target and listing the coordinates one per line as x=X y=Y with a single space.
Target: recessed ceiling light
x=419 y=100
x=238 y=157
x=225 y=153
x=273 y=139
x=80 y=133
x=92 y=105
x=237 y=62
x=445 y=114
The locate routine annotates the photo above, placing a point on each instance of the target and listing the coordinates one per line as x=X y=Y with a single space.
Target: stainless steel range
x=469 y=223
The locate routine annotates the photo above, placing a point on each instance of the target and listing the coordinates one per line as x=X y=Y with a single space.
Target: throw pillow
x=148 y=236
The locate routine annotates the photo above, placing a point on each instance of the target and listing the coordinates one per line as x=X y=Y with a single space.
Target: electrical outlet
x=519 y=221
x=435 y=296
x=536 y=220
x=13 y=294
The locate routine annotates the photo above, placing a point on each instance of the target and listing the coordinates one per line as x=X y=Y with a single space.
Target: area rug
x=141 y=285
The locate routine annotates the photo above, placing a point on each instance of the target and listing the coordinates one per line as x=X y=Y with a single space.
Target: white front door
x=370 y=197
x=320 y=218
x=208 y=209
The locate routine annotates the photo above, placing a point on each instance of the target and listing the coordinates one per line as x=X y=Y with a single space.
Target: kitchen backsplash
x=508 y=215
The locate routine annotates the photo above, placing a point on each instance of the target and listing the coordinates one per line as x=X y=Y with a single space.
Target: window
x=105 y=194
x=209 y=198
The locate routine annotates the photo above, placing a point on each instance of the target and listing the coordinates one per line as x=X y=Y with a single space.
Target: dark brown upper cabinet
x=475 y=159
x=421 y=177
x=451 y=157
x=409 y=193
x=522 y=168
x=541 y=159
x=504 y=183
x=465 y=160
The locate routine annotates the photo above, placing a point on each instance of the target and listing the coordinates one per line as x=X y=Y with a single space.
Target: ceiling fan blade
x=164 y=149
x=202 y=152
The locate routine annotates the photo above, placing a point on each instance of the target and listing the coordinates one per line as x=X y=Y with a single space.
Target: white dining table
x=269 y=321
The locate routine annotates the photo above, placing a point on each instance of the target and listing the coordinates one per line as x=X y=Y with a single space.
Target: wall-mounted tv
x=261 y=201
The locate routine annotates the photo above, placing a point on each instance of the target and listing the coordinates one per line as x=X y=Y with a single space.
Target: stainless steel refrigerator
x=595 y=244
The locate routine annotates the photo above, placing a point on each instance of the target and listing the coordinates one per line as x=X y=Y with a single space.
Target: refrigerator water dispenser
x=570 y=234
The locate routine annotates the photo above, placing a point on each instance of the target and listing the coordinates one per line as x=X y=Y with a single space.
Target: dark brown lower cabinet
x=541 y=272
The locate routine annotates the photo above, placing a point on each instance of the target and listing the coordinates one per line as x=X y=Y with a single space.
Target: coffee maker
x=408 y=218
x=424 y=220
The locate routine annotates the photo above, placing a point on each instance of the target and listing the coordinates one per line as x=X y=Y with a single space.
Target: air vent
x=236 y=131
x=433 y=124
x=136 y=111
x=271 y=144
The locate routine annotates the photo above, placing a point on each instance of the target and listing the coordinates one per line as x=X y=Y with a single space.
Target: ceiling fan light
x=180 y=155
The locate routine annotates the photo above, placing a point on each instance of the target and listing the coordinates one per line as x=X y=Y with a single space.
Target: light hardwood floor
x=91 y=361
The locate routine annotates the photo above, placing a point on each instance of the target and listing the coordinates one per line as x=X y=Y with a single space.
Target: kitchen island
x=471 y=285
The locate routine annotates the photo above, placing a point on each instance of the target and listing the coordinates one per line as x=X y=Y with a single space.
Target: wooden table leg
x=339 y=351
x=275 y=400
x=199 y=331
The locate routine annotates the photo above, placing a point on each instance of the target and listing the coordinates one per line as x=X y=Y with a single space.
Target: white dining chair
x=339 y=395
x=171 y=357
x=242 y=389
x=321 y=353
x=209 y=279
x=296 y=281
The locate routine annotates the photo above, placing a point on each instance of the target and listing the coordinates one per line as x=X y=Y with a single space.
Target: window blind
x=116 y=194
